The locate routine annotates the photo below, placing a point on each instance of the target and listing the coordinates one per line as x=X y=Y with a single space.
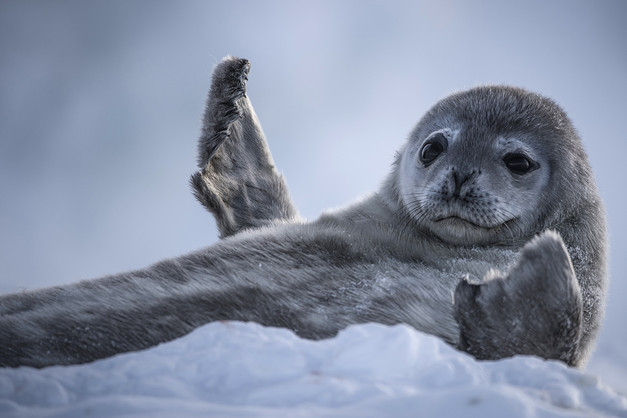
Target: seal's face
x=473 y=183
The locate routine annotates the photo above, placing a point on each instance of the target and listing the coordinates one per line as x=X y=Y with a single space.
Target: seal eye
x=432 y=148
x=518 y=163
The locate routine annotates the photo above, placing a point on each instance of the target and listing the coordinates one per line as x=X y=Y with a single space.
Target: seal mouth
x=454 y=222
x=457 y=221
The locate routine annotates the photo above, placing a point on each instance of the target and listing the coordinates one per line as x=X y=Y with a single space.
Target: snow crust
x=231 y=369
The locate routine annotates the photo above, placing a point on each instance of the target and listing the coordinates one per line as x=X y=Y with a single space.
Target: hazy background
x=100 y=107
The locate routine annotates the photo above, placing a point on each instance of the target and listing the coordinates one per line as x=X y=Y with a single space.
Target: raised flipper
x=535 y=310
x=237 y=181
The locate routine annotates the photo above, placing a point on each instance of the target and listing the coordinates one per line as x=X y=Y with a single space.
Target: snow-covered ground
x=235 y=369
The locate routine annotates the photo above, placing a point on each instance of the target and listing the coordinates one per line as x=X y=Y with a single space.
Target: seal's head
x=492 y=165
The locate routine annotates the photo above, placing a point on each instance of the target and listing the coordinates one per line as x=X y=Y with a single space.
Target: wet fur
x=537 y=288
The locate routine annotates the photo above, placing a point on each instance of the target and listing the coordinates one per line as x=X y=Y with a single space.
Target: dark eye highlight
x=519 y=163
x=433 y=148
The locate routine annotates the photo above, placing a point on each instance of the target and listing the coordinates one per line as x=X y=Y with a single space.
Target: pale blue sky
x=100 y=106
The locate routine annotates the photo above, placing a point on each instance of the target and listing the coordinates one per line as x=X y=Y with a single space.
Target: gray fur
x=490 y=261
x=237 y=181
x=491 y=327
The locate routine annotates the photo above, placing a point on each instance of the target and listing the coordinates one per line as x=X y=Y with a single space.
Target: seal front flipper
x=237 y=181
x=535 y=310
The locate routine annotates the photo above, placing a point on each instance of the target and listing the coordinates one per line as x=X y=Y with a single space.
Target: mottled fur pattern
x=409 y=253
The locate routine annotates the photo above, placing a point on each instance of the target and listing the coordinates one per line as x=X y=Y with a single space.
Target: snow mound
x=240 y=369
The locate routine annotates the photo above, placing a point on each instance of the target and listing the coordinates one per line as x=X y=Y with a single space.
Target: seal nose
x=460 y=179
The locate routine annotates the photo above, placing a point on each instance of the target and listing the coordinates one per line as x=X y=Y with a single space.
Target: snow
x=241 y=369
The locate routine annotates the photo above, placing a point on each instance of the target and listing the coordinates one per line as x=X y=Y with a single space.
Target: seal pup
x=488 y=232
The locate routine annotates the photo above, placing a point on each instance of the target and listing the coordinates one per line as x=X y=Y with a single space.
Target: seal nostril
x=459 y=180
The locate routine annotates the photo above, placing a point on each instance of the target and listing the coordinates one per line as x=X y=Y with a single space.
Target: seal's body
x=470 y=238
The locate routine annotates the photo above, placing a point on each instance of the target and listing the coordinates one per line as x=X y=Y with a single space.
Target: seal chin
x=459 y=230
